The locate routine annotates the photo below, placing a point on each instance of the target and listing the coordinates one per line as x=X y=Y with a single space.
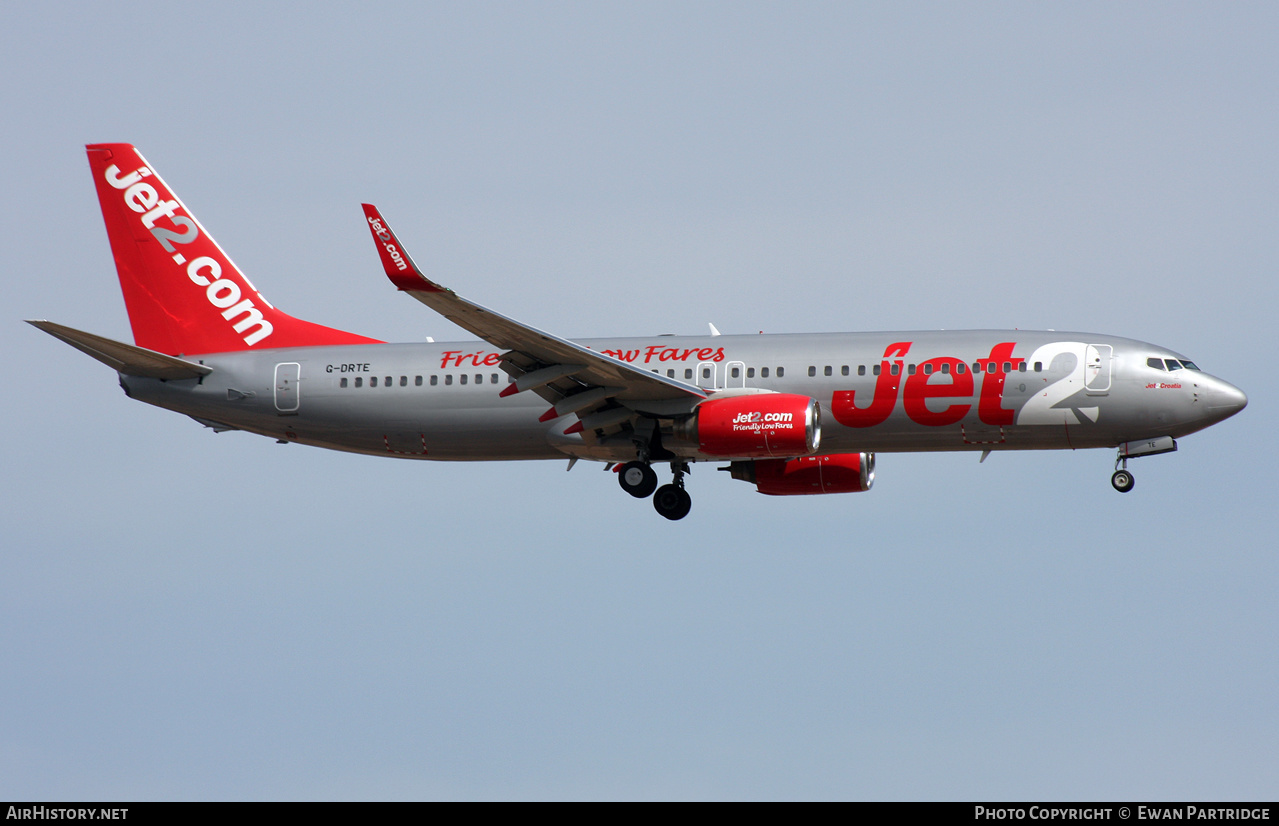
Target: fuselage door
x=1097 y=359
x=734 y=374
x=706 y=376
x=287 y=376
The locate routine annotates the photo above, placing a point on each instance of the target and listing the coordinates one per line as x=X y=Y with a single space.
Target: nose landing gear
x=1122 y=478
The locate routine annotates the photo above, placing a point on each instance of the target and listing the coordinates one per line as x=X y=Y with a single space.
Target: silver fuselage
x=1048 y=390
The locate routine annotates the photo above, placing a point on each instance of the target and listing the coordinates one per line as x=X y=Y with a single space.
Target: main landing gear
x=640 y=480
x=672 y=501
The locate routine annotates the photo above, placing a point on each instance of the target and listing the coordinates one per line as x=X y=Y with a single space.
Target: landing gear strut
x=1122 y=479
x=672 y=501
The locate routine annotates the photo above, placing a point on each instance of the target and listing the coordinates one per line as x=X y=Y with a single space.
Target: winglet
x=399 y=267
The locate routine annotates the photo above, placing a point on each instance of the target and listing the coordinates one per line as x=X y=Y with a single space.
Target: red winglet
x=548 y=415
x=403 y=273
x=509 y=390
x=575 y=427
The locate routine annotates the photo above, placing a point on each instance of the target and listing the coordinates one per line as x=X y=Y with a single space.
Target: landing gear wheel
x=637 y=479
x=1122 y=480
x=672 y=501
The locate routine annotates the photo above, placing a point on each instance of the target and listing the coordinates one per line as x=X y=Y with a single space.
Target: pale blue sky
x=197 y=616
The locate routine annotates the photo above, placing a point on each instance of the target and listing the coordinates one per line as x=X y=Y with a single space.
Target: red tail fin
x=183 y=294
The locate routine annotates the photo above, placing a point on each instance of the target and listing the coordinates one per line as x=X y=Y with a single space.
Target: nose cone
x=1225 y=400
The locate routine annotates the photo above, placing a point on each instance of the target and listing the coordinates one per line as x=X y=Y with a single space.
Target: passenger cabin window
x=910 y=369
x=448 y=379
x=1039 y=367
x=861 y=370
x=737 y=372
x=843 y=371
x=945 y=368
x=763 y=372
x=670 y=374
x=417 y=381
x=479 y=378
x=404 y=381
x=342 y=383
x=781 y=371
x=750 y=372
x=388 y=381
x=812 y=371
x=435 y=380
x=928 y=369
x=828 y=371
x=688 y=374
x=373 y=381
x=359 y=382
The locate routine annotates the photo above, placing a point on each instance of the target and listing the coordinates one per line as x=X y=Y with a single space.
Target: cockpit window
x=1158 y=364
x=1189 y=365
x=1173 y=364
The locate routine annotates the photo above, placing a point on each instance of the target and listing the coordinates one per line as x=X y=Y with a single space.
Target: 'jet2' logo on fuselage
x=918 y=390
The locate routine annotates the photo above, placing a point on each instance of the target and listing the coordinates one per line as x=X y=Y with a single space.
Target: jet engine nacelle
x=837 y=473
x=763 y=424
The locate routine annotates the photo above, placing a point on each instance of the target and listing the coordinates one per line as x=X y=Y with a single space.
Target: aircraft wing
x=572 y=377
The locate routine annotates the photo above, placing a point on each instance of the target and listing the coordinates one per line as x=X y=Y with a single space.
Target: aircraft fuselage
x=879 y=392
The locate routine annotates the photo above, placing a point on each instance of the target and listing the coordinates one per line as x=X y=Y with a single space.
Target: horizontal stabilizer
x=124 y=358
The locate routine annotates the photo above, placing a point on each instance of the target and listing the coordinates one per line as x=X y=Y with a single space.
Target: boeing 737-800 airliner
x=791 y=414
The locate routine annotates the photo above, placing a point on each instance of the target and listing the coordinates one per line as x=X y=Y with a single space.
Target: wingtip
x=396 y=262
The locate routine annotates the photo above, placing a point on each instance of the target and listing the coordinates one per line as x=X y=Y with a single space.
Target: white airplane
x=791 y=414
